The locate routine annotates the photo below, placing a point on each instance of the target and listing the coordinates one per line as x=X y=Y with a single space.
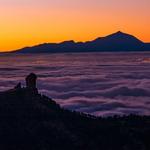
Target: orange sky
x=30 y=22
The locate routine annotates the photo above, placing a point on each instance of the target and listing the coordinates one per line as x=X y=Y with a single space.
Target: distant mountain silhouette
x=118 y=41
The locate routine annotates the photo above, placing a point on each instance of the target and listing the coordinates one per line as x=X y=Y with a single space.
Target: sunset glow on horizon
x=30 y=22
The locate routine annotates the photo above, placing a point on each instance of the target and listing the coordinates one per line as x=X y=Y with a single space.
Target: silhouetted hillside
x=30 y=121
x=118 y=41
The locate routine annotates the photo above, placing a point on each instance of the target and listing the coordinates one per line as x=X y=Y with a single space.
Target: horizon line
x=74 y=41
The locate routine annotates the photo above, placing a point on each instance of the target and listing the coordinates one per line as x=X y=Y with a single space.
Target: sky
x=30 y=22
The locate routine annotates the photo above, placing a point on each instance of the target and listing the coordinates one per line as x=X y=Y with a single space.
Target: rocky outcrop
x=31 y=121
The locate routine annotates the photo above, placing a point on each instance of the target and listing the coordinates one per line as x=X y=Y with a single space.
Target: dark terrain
x=115 y=42
x=30 y=121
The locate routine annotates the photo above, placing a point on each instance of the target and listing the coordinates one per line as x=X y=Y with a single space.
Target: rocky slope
x=30 y=121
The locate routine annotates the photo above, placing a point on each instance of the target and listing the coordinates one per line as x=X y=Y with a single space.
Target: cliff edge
x=31 y=121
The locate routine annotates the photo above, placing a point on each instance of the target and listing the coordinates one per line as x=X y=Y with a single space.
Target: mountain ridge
x=31 y=121
x=118 y=41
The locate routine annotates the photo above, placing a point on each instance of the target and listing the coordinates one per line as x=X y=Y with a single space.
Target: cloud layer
x=99 y=84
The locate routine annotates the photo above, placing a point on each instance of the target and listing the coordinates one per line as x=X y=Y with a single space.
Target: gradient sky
x=30 y=22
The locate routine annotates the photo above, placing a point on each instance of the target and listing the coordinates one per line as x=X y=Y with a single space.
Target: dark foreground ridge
x=115 y=42
x=30 y=121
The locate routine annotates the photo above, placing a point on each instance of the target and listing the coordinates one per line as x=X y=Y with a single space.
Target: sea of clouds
x=96 y=83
